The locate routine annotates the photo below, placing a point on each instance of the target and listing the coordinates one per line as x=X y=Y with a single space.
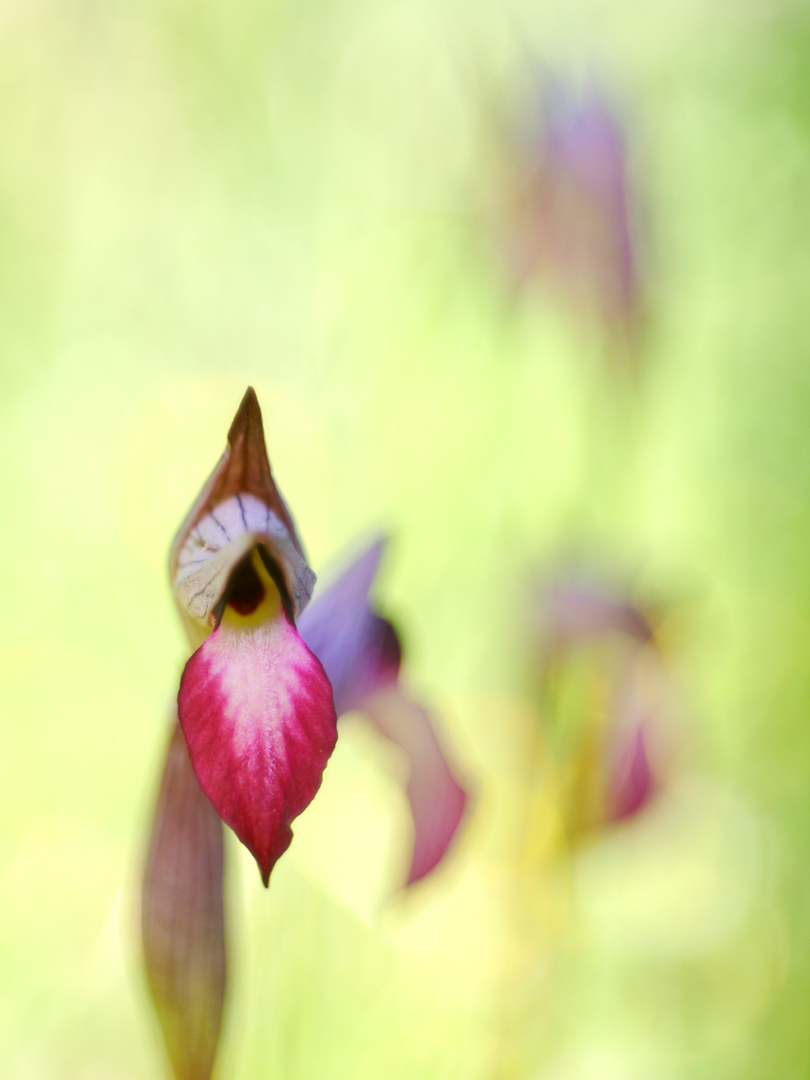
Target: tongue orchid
x=255 y=705
x=257 y=724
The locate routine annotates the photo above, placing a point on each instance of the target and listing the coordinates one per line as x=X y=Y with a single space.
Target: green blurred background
x=194 y=197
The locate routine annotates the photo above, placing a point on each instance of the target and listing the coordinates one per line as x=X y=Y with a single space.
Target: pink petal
x=358 y=649
x=256 y=709
x=182 y=918
x=437 y=801
x=632 y=784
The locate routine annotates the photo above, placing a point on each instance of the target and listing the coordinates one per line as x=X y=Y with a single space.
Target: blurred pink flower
x=606 y=642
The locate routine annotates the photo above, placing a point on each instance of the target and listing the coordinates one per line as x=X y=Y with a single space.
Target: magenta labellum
x=256 y=709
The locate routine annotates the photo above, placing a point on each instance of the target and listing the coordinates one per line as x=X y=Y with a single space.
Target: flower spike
x=254 y=704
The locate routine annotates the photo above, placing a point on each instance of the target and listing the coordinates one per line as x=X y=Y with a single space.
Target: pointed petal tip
x=377 y=544
x=248 y=419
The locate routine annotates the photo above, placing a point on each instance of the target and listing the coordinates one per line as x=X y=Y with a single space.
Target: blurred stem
x=612 y=433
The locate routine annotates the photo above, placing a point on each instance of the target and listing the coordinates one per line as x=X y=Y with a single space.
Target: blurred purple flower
x=361 y=654
x=570 y=214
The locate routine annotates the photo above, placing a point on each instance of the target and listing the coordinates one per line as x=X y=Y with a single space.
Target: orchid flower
x=361 y=654
x=256 y=725
x=254 y=704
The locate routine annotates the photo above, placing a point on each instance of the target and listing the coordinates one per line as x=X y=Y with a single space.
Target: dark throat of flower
x=246 y=592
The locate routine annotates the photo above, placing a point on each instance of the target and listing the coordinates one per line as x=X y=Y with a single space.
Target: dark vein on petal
x=242 y=512
x=216 y=521
x=194 y=562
